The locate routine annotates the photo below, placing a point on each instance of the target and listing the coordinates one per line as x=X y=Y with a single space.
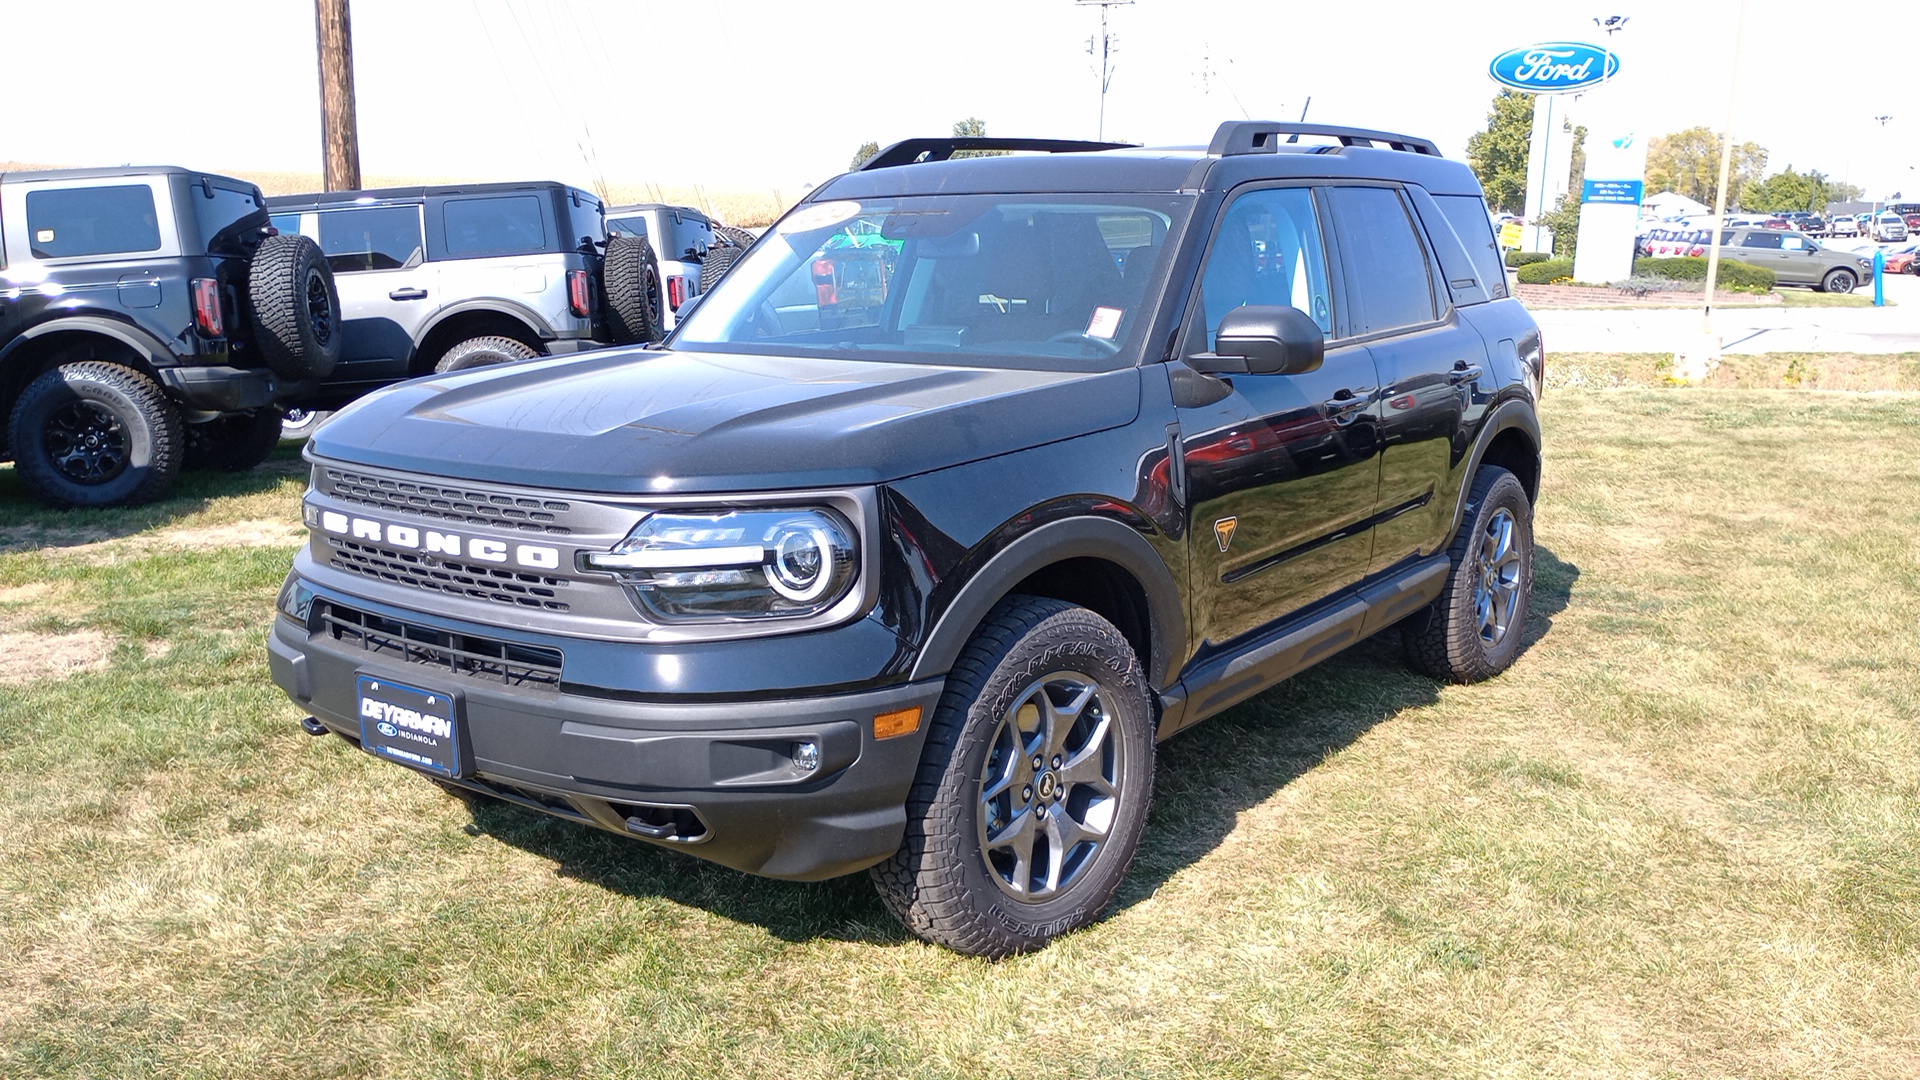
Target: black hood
x=635 y=422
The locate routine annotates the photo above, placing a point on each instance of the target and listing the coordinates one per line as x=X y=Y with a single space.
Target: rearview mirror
x=1262 y=340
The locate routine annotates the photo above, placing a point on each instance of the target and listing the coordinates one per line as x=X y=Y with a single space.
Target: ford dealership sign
x=1554 y=67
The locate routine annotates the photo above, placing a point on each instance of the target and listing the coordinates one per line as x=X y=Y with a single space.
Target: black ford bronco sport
x=149 y=319
x=972 y=480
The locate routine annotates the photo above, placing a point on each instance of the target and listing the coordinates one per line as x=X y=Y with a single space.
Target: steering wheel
x=1079 y=337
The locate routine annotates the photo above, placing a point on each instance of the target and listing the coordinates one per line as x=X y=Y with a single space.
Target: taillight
x=676 y=290
x=206 y=307
x=580 y=293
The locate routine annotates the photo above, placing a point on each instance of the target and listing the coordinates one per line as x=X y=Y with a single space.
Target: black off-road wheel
x=483 y=351
x=719 y=259
x=1033 y=788
x=92 y=433
x=233 y=443
x=1838 y=281
x=633 y=290
x=1473 y=631
x=296 y=309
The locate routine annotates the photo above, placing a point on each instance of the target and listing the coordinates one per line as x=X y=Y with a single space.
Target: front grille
x=519 y=513
x=453 y=578
x=461 y=654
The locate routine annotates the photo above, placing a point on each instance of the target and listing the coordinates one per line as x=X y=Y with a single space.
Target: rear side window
x=1468 y=216
x=374 y=238
x=504 y=225
x=1386 y=265
x=67 y=222
x=1769 y=240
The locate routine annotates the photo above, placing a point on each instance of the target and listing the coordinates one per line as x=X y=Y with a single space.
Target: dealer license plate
x=411 y=725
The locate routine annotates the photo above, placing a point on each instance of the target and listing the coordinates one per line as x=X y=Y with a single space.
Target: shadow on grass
x=1206 y=777
x=26 y=524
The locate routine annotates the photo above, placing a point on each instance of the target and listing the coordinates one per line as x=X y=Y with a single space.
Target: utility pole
x=339 y=131
x=1103 y=47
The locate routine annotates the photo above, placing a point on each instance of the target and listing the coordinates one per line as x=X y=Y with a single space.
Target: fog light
x=806 y=755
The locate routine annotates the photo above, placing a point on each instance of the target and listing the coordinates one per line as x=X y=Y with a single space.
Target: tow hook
x=314 y=727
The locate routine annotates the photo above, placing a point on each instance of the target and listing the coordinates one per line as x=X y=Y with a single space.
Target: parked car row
x=155 y=318
x=1794 y=257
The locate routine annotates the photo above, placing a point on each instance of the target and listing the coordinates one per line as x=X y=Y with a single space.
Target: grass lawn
x=1863 y=297
x=1681 y=838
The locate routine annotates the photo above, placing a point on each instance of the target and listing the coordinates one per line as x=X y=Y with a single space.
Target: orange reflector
x=901 y=722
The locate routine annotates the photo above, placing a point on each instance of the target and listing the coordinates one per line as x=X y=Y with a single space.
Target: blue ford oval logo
x=387 y=729
x=1554 y=67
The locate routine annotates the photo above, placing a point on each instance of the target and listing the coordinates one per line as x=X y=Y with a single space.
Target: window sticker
x=43 y=236
x=1105 y=323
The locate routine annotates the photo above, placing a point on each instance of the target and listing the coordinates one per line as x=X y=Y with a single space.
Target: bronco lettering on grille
x=434 y=542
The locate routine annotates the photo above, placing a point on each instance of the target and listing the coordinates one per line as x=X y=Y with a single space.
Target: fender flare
x=1506 y=416
x=1073 y=538
x=491 y=306
x=150 y=349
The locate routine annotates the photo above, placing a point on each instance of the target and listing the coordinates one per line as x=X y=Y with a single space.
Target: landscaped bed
x=1677 y=839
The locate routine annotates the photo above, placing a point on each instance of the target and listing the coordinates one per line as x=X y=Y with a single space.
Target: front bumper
x=715 y=778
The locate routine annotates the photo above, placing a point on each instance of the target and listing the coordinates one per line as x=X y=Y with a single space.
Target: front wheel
x=1033 y=788
x=96 y=434
x=1837 y=281
x=1473 y=631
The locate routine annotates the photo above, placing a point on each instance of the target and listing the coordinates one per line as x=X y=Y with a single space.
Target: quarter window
x=1767 y=240
x=375 y=238
x=64 y=223
x=1268 y=252
x=1387 y=274
x=508 y=225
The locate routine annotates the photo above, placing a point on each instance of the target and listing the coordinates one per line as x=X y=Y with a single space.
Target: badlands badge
x=1223 y=531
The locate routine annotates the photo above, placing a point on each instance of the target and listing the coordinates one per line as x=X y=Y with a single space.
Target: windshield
x=1037 y=281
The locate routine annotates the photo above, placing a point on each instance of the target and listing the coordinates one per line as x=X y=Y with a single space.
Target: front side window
x=373 y=238
x=1268 y=251
x=1386 y=265
x=502 y=225
x=64 y=223
x=1051 y=281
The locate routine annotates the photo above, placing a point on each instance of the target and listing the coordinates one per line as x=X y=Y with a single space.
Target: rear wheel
x=1473 y=631
x=483 y=351
x=95 y=434
x=1837 y=281
x=233 y=443
x=1033 y=788
x=298 y=423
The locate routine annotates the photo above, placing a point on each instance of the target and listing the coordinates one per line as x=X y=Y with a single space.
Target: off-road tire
x=720 y=259
x=1838 y=281
x=137 y=454
x=296 y=308
x=1446 y=640
x=235 y=442
x=941 y=883
x=484 y=351
x=738 y=237
x=633 y=290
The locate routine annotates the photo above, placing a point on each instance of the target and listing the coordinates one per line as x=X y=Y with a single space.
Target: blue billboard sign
x=1554 y=67
x=1612 y=191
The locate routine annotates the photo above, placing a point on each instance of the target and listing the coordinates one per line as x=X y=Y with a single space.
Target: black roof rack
x=913 y=151
x=1259 y=137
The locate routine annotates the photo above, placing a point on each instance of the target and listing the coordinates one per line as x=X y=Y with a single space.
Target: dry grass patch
x=1851 y=372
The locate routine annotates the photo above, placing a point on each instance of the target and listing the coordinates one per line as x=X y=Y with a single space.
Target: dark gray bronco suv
x=973 y=480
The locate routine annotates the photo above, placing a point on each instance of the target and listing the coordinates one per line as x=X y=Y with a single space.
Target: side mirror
x=1258 y=340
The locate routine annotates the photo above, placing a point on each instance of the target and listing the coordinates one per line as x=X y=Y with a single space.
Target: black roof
x=405 y=194
x=114 y=172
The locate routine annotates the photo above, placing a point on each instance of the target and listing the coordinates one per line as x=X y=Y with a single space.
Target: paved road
x=1891 y=329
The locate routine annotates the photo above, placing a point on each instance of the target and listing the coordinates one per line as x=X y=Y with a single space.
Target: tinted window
x=692 y=235
x=627 y=226
x=225 y=214
x=374 y=238
x=1268 y=251
x=1386 y=266
x=1468 y=216
x=1761 y=240
x=66 y=222
x=507 y=225
x=589 y=222
x=286 y=223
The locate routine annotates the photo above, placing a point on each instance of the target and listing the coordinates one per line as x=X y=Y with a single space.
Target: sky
x=757 y=94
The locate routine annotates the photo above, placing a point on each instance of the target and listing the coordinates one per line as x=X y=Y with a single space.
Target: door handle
x=1345 y=402
x=407 y=294
x=1463 y=372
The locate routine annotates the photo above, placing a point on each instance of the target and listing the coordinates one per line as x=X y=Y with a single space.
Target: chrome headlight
x=735 y=564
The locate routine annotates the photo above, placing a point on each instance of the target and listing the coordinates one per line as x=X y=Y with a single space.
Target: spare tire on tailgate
x=296 y=309
x=632 y=283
